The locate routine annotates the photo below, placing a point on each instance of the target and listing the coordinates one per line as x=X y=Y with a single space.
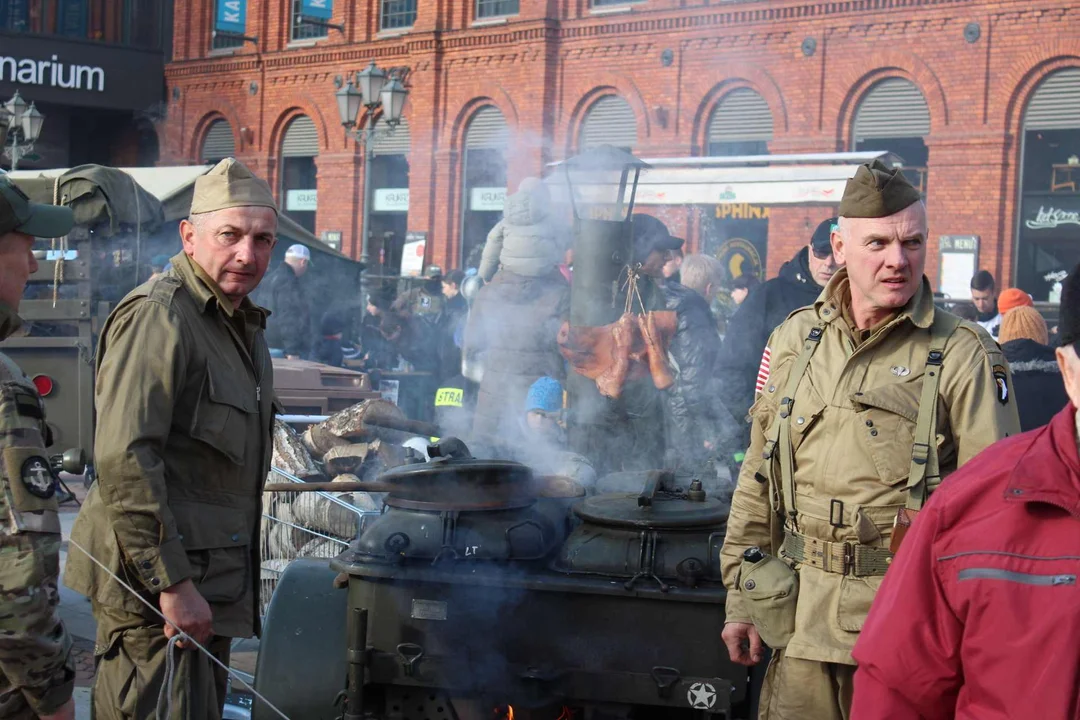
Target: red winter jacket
x=979 y=615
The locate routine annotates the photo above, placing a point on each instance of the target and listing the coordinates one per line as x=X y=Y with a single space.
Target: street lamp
x=20 y=128
x=374 y=89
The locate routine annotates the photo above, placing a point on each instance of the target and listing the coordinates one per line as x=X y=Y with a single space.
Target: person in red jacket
x=979 y=614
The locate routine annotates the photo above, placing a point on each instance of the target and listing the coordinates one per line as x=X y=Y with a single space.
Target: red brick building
x=979 y=99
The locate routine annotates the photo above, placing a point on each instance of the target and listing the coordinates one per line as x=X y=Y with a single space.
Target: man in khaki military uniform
x=184 y=413
x=872 y=396
x=37 y=673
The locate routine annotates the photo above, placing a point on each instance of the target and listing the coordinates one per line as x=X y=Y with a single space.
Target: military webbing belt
x=842 y=558
x=923 y=452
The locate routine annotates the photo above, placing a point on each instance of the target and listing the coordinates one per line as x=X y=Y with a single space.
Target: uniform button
x=750 y=585
x=147 y=565
x=235 y=538
x=155 y=582
x=772 y=388
x=800 y=421
x=869 y=423
x=824 y=312
x=1017 y=491
x=874 y=433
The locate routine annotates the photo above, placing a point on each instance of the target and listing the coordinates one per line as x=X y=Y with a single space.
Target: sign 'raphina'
x=877 y=191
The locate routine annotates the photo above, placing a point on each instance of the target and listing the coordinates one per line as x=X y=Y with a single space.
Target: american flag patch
x=763 y=370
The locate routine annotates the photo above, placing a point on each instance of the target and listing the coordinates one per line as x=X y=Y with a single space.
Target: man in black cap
x=801 y=280
x=869 y=397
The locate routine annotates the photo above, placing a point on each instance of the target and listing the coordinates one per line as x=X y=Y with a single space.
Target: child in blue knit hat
x=544 y=410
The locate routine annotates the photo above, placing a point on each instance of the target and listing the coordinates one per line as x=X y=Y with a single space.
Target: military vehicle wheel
x=302 y=661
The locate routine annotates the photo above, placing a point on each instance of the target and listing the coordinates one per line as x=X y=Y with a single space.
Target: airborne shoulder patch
x=1001 y=384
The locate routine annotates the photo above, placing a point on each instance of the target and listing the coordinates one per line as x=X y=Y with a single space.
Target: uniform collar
x=207 y=292
x=9 y=321
x=837 y=295
x=1049 y=469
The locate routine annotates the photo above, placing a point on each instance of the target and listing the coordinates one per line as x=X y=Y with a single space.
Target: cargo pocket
x=887 y=421
x=854 y=600
x=217 y=542
x=771 y=590
x=220 y=417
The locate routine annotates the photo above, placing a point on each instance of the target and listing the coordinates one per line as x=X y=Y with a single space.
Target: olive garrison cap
x=230 y=184
x=877 y=191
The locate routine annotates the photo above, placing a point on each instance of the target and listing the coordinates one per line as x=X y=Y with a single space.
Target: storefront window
x=389 y=209
x=1049 y=223
x=894 y=117
x=484 y=181
x=299 y=187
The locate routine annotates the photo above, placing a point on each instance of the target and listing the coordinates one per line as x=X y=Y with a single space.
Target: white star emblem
x=701 y=696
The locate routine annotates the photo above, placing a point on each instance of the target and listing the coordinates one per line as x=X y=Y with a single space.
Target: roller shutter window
x=487 y=129
x=395 y=143
x=894 y=108
x=742 y=116
x=1056 y=103
x=609 y=121
x=301 y=139
x=219 y=142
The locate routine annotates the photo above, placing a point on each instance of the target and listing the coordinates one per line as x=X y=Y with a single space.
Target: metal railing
x=302 y=525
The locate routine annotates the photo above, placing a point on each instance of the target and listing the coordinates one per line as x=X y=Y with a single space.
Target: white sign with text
x=487 y=199
x=301 y=200
x=391 y=200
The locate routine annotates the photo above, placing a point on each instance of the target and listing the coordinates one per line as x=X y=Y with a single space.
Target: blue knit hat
x=545 y=394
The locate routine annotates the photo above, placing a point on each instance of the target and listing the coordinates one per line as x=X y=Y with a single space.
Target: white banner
x=391 y=200
x=487 y=199
x=412 y=255
x=301 y=200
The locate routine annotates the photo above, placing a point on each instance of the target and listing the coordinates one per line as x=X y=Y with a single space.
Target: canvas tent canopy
x=104 y=199
x=169 y=188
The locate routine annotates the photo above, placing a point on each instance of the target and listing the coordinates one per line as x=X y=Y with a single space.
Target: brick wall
x=544 y=67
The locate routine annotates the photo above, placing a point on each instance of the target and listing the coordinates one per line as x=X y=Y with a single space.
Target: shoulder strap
x=781 y=430
x=923 y=452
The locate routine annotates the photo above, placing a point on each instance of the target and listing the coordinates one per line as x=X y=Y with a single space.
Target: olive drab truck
x=78 y=281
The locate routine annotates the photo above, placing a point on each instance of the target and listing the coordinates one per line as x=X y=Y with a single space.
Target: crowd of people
x=897 y=545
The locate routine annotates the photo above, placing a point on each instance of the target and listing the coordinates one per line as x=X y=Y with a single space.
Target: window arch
x=218 y=143
x=608 y=121
x=741 y=124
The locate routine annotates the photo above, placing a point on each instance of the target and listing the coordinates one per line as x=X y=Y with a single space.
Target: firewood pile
x=353 y=445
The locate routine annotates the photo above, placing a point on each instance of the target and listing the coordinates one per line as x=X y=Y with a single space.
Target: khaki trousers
x=130 y=656
x=806 y=690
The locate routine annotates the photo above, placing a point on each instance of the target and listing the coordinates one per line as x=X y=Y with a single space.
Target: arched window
x=893 y=116
x=741 y=124
x=299 y=189
x=218 y=144
x=1049 y=229
x=486 y=140
x=388 y=221
x=609 y=121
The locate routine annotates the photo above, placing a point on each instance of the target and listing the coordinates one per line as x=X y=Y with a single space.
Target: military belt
x=842 y=558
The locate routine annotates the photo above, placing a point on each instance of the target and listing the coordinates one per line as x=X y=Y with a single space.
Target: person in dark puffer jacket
x=1038 y=388
x=514 y=322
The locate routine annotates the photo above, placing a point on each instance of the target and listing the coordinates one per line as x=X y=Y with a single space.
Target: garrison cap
x=877 y=191
x=230 y=184
x=1069 y=323
x=18 y=213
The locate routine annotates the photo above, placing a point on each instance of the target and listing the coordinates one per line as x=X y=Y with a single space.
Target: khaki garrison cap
x=877 y=191
x=230 y=184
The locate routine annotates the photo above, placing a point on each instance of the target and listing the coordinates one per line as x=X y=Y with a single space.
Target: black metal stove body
x=518 y=605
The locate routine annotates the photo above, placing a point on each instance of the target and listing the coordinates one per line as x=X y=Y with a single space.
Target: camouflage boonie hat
x=17 y=213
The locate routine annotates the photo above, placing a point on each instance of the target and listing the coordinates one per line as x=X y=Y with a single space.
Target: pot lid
x=665 y=511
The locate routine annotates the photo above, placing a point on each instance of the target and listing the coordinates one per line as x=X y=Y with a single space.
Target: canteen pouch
x=770 y=588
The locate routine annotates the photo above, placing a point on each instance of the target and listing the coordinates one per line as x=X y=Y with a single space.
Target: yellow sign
x=449 y=397
x=741 y=211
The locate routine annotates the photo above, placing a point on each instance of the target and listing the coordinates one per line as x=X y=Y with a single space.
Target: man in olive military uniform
x=184 y=413
x=870 y=396
x=37 y=674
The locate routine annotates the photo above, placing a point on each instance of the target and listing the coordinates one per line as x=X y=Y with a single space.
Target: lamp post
x=374 y=89
x=20 y=128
